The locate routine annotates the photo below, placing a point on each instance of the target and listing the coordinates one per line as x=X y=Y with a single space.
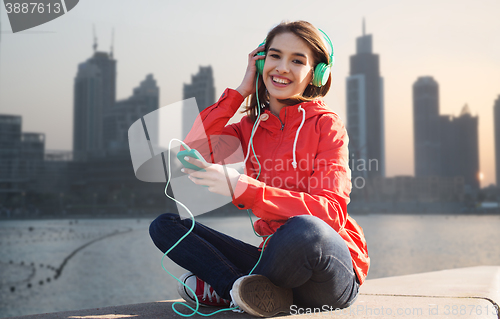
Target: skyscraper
x=94 y=92
x=460 y=147
x=105 y=62
x=365 y=110
x=202 y=88
x=426 y=127
x=496 y=119
x=87 y=113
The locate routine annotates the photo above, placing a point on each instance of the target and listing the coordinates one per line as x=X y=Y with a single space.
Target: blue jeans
x=304 y=254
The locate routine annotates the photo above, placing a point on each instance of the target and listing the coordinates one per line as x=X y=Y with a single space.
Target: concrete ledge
x=456 y=293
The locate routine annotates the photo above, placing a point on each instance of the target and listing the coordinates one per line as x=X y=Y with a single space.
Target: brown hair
x=314 y=39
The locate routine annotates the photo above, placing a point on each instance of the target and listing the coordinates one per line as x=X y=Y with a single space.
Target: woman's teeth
x=280 y=80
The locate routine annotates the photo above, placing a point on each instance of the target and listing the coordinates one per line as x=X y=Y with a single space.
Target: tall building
x=87 y=111
x=203 y=90
x=117 y=120
x=365 y=110
x=426 y=127
x=107 y=65
x=460 y=147
x=94 y=93
x=496 y=119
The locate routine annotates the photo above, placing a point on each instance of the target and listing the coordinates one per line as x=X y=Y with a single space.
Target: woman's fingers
x=215 y=177
x=199 y=174
x=196 y=162
x=257 y=50
x=198 y=181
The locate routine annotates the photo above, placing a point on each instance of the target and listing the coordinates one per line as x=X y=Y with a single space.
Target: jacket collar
x=291 y=116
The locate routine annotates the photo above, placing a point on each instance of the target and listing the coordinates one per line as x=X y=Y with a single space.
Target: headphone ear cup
x=260 y=63
x=321 y=74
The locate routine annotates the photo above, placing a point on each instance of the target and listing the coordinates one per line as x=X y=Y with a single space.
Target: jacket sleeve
x=210 y=136
x=329 y=184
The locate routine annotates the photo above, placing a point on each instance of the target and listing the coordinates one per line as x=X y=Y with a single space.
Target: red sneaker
x=206 y=294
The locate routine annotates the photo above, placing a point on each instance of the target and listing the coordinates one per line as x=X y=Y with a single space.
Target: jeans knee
x=309 y=228
x=158 y=226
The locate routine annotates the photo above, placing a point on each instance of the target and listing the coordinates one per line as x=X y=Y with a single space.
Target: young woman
x=297 y=181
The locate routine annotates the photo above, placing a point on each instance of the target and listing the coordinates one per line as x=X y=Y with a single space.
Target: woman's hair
x=314 y=39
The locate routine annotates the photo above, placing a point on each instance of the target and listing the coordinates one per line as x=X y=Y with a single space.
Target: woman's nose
x=282 y=67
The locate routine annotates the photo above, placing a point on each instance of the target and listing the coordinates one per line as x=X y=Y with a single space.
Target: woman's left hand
x=216 y=177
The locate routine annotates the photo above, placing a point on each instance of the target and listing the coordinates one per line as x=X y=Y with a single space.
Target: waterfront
x=104 y=262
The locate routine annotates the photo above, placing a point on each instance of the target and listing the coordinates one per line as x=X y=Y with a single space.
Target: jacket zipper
x=279 y=144
x=282 y=124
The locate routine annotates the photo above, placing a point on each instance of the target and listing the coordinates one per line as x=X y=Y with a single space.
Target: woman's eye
x=298 y=62
x=275 y=56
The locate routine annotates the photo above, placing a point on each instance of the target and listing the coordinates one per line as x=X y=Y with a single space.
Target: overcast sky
x=455 y=41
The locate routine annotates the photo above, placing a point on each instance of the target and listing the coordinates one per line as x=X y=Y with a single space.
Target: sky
x=454 y=41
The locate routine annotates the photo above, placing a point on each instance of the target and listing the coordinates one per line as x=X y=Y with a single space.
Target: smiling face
x=288 y=69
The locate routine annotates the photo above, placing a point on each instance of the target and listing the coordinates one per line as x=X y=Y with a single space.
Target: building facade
x=460 y=148
x=87 y=111
x=365 y=110
x=94 y=94
x=427 y=143
x=21 y=161
x=117 y=120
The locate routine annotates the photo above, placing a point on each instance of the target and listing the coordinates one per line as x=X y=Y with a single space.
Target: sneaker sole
x=258 y=296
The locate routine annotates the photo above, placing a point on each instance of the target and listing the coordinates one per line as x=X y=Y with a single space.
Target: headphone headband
x=325 y=36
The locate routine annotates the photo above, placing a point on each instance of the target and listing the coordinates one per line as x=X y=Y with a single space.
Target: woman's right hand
x=247 y=86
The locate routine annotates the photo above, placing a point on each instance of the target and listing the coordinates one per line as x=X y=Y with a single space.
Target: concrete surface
x=457 y=293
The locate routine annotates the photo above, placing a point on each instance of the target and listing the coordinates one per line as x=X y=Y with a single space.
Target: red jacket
x=320 y=183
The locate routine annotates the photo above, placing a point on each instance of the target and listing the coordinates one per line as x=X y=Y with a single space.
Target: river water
x=58 y=265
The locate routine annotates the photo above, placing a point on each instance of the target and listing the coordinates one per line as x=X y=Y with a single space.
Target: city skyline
x=458 y=55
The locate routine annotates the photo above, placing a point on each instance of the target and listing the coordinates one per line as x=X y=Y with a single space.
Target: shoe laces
x=209 y=292
x=234 y=304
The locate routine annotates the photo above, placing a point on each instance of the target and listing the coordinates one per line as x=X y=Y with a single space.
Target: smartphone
x=191 y=153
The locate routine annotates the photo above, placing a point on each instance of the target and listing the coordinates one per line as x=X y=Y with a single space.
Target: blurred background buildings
x=97 y=177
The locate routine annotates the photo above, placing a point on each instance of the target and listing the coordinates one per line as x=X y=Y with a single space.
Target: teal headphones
x=321 y=72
